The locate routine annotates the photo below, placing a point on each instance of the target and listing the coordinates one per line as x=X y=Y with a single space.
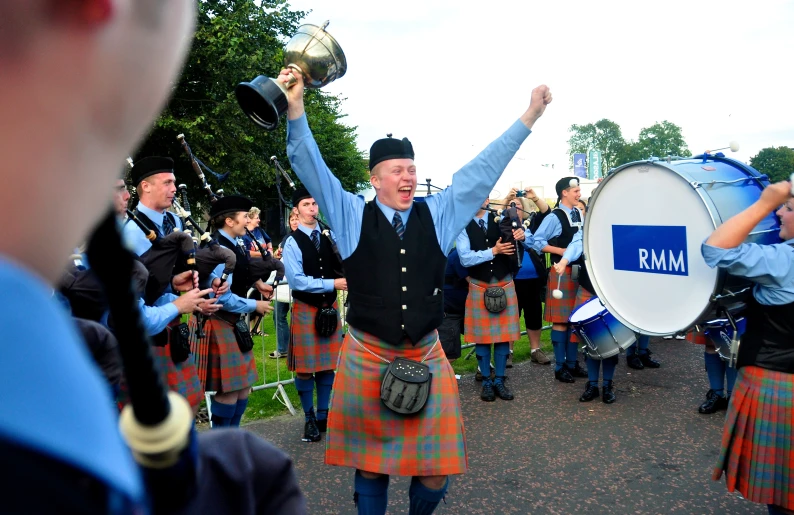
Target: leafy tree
x=235 y=41
x=604 y=135
x=777 y=163
x=659 y=140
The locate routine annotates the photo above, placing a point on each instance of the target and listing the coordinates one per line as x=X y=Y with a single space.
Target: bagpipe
x=258 y=268
x=326 y=319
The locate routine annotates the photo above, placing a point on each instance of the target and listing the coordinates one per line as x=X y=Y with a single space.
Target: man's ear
x=374 y=181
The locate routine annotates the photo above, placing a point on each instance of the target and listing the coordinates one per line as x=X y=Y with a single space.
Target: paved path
x=545 y=452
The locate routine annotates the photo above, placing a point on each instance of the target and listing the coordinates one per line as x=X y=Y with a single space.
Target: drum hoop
x=722 y=276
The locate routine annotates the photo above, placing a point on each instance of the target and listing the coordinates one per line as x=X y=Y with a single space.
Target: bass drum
x=643 y=234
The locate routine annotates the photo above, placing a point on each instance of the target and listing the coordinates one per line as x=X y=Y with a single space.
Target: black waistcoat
x=565 y=238
x=154 y=289
x=396 y=286
x=500 y=266
x=768 y=341
x=241 y=281
x=323 y=264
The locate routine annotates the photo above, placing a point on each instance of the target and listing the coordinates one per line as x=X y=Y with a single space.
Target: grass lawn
x=261 y=403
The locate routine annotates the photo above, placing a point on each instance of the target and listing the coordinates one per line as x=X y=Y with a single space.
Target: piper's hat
x=230 y=204
x=149 y=166
x=389 y=148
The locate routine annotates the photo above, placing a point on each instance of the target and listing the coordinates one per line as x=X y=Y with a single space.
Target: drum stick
x=557 y=293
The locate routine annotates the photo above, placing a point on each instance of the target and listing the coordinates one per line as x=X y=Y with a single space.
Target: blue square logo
x=650 y=249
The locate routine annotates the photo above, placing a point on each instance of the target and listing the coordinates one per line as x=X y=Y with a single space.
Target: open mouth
x=404 y=193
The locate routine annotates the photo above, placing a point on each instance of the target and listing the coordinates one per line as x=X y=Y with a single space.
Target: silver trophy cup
x=314 y=54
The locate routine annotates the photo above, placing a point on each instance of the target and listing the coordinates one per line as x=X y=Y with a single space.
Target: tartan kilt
x=582 y=296
x=558 y=311
x=365 y=435
x=181 y=378
x=228 y=369
x=697 y=337
x=482 y=326
x=757 y=455
x=307 y=352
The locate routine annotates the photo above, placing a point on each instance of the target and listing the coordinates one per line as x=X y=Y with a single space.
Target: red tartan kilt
x=181 y=378
x=365 y=435
x=482 y=326
x=582 y=296
x=558 y=311
x=308 y=353
x=699 y=338
x=757 y=455
x=228 y=369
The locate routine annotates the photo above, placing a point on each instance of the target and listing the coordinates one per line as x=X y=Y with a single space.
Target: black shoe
x=713 y=404
x=648 y=361
x=487 y=392
x=322 y=425
x=563 y=376
x=634 y=362
x=577 y=370
x=311 y=433
x=502 y=391
x=590 y=392
x=608 y=393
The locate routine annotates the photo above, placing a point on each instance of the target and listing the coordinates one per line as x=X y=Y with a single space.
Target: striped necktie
x=397 y=223
x=168 y=224
x=482 y=225
x=316 y=239
x=575 y=216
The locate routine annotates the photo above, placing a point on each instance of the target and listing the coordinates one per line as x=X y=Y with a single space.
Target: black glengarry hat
x=149 y=166
x=230 y=204
x=389 y=148
x=300 y=194
x=565 y=183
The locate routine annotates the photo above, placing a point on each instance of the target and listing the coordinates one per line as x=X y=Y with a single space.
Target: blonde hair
x=254 y=211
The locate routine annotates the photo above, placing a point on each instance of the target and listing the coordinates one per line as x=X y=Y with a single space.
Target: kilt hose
x=364 y=434
x=307 y=352
x=757 y=456
x=228 y=369
x=482 y=326
x=582 y=296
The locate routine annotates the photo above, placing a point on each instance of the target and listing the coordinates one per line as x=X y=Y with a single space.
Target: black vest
x=323 y=264
x=153 y=289
x=500 y=266
x=241 y=281
x=565 y=238
x=768 y=341
x=395 y=287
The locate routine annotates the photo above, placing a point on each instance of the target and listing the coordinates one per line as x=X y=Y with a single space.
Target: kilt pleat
x=365 y=435
x=181 y=378
x=697 y=337
x=482 y=326
x=558 y=311
x=757 y=455
x=307 y=352
x=228 y=369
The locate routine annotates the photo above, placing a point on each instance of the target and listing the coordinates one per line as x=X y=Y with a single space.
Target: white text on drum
x=659 y=262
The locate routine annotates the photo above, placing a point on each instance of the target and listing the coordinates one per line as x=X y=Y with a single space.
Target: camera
x=520 y=193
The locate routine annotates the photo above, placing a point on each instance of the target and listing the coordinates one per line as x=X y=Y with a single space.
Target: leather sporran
x=326 y=321
x=405 y=386
x=180 y=343
x=495 y=299
x=243 y=336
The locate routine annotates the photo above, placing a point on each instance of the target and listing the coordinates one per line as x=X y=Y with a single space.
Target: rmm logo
x=651 y=249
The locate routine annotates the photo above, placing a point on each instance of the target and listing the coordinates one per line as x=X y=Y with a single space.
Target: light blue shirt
x=468 y=257
x=770 y=267
x=549 y=229
x=156 y=318
x=293 y=266
x=65 y=410
x=450 y=209
x=133 y=236
x=231 y=302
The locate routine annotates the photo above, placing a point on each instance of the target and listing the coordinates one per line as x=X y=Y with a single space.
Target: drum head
x=642 y=243
x=590 y=309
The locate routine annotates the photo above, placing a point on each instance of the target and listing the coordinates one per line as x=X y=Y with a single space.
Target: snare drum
x=602 y=334
x=720 y=333
x=642 y=237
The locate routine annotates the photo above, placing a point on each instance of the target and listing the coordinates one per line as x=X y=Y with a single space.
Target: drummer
x=561 y=237
x=756 y=442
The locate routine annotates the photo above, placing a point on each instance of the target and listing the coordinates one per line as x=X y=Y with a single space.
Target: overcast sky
x=451 y=76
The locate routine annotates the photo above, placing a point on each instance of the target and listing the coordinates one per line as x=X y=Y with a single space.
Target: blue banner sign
x=650 y=249
x=580 y=165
